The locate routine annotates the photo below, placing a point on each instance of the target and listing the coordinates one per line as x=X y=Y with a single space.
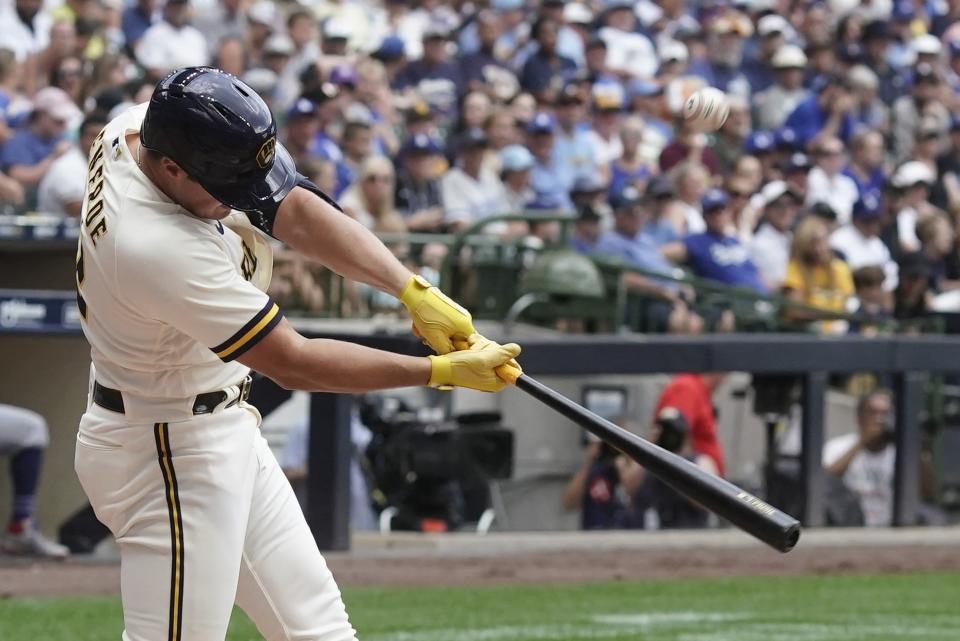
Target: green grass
x=811 y=608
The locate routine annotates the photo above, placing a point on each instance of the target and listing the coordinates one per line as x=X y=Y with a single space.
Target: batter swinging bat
x=721 y=497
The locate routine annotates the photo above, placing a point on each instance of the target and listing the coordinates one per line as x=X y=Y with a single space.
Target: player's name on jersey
x=39 y=311
x=41 y=227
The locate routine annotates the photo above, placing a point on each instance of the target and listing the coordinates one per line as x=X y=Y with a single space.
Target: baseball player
x=172 y=265
x=24 y=437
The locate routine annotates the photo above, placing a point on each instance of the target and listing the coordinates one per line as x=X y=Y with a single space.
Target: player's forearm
x=317 y=230
x=336 y=366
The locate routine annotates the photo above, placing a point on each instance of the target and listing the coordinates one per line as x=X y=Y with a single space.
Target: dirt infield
x=416 y=560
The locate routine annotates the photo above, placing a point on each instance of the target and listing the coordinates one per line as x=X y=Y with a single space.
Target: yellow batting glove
x=436 y=318
x=476 y=368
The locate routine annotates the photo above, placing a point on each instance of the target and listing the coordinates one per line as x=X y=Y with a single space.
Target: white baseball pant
x=204 y=517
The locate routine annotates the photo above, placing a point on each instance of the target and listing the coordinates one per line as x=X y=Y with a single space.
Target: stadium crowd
x=834 y=181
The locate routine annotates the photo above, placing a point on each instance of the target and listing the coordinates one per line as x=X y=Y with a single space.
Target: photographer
x=863 y=460
x=596 y=489
x=658 y=506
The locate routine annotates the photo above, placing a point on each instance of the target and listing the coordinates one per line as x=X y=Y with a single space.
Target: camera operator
x=863 y=460
x=658 y=505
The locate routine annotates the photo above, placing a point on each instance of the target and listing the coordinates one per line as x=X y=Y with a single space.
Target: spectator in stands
x=828 y=113
x=628 y=242
x=772 y=105
x=864 y=460
x=357 y=139
x=227 y=19
x=470 y=192
x=655 y=504
x=691 y=180
x=629 y=52
x=596 y=489
x=858 y=242
x=762 y=145
x=418 y=184
x=827 y=183
x=586 y=229
x=795 y=173
x=546 y=71
x=61 y=189
x=815 y=277
x=692 y=396
x=770 y=245
x=24 y=28
x=729 y=139
x=689 y=144
x=870 y=299
x=607 y=102
x=548 y=176
x=482 y=67
x=714 y=254
x=666 y=214
x=301 y=131
x=572 y=147
x=876 y=47
x=866 y=163
x=370 y=199
x=721 y=68
x=909 y=111
x=516 y=161
x=630 y=169
x=27 y=156
x=434 y=76
x=172 y=43
x=937 y=240
x=137 y=18
x=913 y=180
x=761 y=69
x=869 y=110
x=912 y=300
x=23 y=438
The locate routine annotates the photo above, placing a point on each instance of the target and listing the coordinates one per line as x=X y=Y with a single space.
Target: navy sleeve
x=264 y=218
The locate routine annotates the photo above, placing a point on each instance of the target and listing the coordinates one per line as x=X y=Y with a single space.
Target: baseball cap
x=714 y=200
x=542 y=123
x=786 y=138
x=302 y=108
x=797 y=162
x=419 y=110
x=436 y=31
x=645 y=88
x=626 y=197
x=343 y=76
x=358 y=113
x=544 y=202
x=515 y=158
x=875 y=30
x=607 y=96
x=261 y=80
x=772 y=24
x=672 y=418
x=903 y=10
x=587 y=212
x=570 y=95
x=57 y=104
x=759 y=142
x=577 y=13
x=278 y=45
x=263 y=12
x=926 y=44
x=777 y=189
x=673 y=51
x=660 y=186
x=789 y=57
x=867 y=207
x=823 y=210
x=421 y=144
x=587 y=185
x=336 y=29
x=474 y=137
x=910 y=173
x=391 y=48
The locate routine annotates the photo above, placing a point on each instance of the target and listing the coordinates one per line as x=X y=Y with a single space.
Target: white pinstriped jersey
x=168 y=300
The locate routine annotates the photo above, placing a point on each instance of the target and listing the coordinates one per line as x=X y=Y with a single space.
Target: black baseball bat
x=756 y=517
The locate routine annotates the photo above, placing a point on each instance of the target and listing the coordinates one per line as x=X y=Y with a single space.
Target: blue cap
x=344 y=75
x=903 y=10
x=797 y=162
x=421 y=144
x=301 y=108
x=626 y=197
x=714 y=199
x=786 y=138
x=589 y=184
x=645 y=88
x=759 y=142
x=515 y=158
x=391 y=48
x=544 y=202
x=867 y=207
x=542 y=123
x=953 y=47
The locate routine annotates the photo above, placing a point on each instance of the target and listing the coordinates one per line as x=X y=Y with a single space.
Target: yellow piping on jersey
x=243 y=340
x=162 y=436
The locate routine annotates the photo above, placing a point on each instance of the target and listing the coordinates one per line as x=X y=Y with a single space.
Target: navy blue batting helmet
x=222 y=134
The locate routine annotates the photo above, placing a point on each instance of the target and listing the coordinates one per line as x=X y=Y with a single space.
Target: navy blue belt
x=112 y=399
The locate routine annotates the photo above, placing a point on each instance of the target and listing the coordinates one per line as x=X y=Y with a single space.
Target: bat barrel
x=760 y=519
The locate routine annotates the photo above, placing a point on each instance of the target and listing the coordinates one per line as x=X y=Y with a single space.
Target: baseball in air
x=707 y=108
